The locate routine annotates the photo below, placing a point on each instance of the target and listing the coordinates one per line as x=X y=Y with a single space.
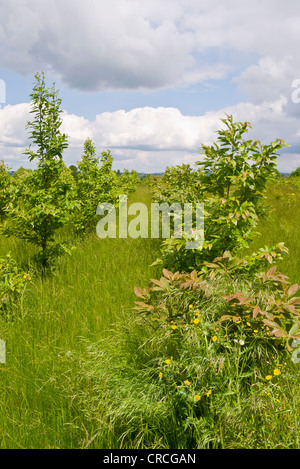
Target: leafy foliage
x=43 y=201
x=13 y=282
x=231 y=185
x=5 y=193
x=96 y=183
x=92 y=183
x=295 y=173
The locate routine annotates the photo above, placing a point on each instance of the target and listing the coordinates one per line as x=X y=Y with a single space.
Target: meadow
x=51 y=393
x=140 y=343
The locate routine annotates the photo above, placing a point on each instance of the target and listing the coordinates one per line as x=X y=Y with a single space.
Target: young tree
x=95 y=184
x=233 y=177
x=44 y=199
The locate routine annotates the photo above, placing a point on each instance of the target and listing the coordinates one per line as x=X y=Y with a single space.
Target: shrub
x=231 y=184
x=5 y=192
x=13 y=282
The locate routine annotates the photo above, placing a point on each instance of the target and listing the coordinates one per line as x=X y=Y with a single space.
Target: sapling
x=44 y=200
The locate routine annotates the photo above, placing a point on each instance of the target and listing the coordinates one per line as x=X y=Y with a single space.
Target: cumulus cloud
x=96 y=45
x=149 y=139
x=141 y=44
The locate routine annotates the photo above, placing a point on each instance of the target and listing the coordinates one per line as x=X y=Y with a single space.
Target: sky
x=150 y=80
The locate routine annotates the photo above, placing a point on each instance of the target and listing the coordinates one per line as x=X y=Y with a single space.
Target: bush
x=13 y=283
x=295 y=173
x=231 y=184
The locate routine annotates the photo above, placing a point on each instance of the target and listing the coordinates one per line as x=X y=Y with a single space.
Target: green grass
x=91 y=289
x=281 y=223
x=75 y=374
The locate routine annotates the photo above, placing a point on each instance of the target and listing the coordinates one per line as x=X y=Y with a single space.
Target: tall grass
x=280 y=222
x=91 y=289
x=81 y=368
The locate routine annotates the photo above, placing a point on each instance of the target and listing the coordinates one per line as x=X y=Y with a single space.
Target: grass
x=91 y=289
x=81 y=370
x=281 y=223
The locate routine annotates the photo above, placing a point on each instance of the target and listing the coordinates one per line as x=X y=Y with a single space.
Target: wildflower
x=187 y=382
x=196 y=321
x=248 y=324
x=174 y=327
x=238 y=322
x=160 y=375
x=197 y=397
x=214 y=338
x=276 y=372
x=197 y=313
x=255 y=330
x=168 y=361
x=191 y=306
x=241 y=342
x=268 y=377
x=208 y=393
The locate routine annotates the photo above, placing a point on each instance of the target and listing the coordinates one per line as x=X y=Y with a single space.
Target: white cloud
x=134 y=44
x=149 y=139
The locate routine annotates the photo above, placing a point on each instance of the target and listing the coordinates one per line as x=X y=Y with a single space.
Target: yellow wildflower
x=268 y=377
x=168 y=361
x=174 y=327
x=160 y=375
x=276 y=372
x=208 y=393
x=191 y=306
x=197 y=397
x=196 y=321
x=187 y=382
x=214 y=338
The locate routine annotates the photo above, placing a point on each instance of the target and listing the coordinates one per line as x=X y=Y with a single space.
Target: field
x=131 y=341
x=51 y=396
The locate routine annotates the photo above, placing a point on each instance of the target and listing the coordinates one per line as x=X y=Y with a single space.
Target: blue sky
x=150 y=79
